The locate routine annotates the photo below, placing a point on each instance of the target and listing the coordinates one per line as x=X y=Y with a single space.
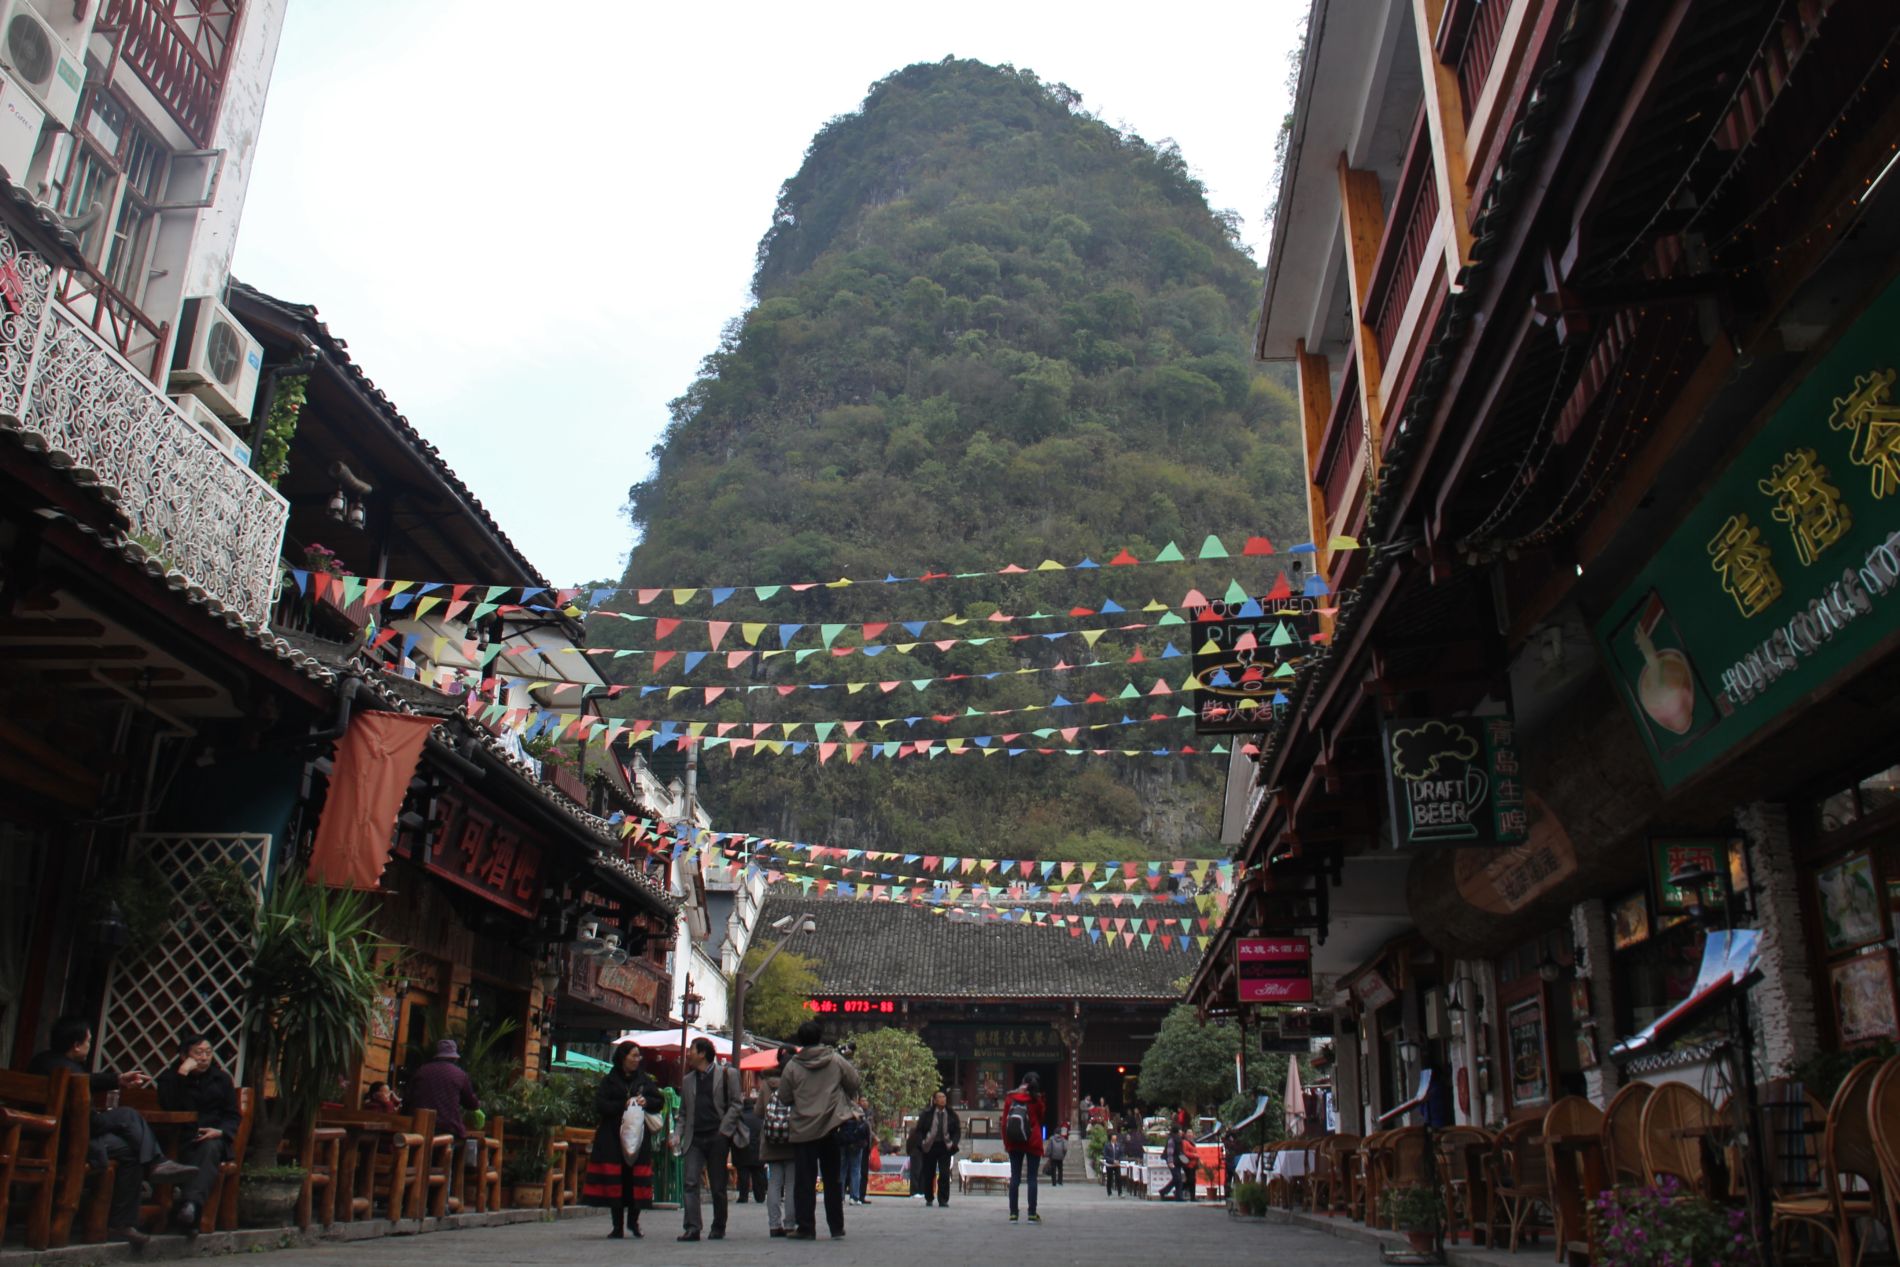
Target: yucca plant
x=313 y=987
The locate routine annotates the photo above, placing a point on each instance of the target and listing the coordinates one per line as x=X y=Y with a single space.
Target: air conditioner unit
x=216 y=359
x=21 y=121
x=44 y=63
x=201 y=417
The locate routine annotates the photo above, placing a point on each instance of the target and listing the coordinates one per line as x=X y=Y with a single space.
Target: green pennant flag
x=1282 y=637
x=830 y=633
x=1170 y=553
x=1235 y=594
x=1212 y=548
x=803 y=653
x=1129 y=692
x=765 y=591
x=824 y=729
x=1170 y=618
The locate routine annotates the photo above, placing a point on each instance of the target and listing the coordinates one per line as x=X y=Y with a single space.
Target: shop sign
x=620 y=988
x=1374 y=990
x=996 y=1042
x=1305 y=1025
x=1672 y=855
x=485 y=854
x=1455 y=781
x=1783 y=575
x=1508 y=879
x=852 y=1007
x=1242 y=662
x=1274 y=969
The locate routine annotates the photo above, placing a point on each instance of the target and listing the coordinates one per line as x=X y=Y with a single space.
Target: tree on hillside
x=900 y=1073
x=1192 y=1065
x=776 y=1005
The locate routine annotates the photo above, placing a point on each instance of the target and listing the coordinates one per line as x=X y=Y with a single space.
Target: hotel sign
x=1274 y=969
x=1784 y=574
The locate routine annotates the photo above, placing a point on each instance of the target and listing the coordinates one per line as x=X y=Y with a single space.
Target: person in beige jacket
x=821 y=1088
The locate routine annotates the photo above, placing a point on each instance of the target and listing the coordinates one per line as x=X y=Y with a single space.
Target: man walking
x=820 y=1086
x=709 y=1128
x=939 y=1135
x=1058 y=1150
x=749 y=1161
x=1112 y=1165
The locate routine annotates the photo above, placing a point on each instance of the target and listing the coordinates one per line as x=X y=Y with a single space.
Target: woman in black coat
x=623 y=1185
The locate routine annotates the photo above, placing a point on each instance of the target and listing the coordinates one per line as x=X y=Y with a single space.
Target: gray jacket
x=728 y=1101
x=822 y=1088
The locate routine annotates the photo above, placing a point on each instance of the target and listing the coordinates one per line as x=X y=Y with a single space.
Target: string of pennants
x=1116 y=932
x=571 y=601
x=679 y=841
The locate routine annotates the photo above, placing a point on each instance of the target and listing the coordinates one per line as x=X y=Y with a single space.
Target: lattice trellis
x=193 y=980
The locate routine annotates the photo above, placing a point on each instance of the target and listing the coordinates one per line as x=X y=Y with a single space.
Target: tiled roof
x=890 y=949
x=337 y=351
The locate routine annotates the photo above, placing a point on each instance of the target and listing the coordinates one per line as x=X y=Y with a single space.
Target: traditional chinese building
x=1592 y=310
x=994 y=999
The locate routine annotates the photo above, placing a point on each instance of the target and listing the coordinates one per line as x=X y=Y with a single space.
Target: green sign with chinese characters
x=1784 y=574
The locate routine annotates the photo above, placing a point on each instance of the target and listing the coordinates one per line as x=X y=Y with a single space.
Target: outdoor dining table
x=969 y=1172
x=1292 y=1163
x=1247 y=1166
x=356 y=1171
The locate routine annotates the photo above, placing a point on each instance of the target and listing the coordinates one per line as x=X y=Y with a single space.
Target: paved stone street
x=1080 y=1226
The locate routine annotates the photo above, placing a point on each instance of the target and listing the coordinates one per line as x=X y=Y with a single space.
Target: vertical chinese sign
x=1783 y=575
x=1455 y=781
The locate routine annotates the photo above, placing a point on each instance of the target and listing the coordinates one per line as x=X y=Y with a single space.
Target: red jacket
x=1034 y=1146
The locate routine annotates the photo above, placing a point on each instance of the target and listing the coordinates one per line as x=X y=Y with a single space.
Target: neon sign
x=852 y=1007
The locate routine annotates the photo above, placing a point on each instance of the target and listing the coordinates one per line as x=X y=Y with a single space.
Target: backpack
x=778 y=1121
x=1016 y=1123
x=854 y=1133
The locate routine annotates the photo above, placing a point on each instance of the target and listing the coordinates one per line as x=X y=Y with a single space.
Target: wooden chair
x=33 y=1107
x=580 y=1143
x=1327 y=1190
x=1520 y=1180
x=1676 y=1123
x=393 y=1178
x=1848 y=1150
x=555 y=1195
x=172 y=1129
x=481 y=1183
x=1792 y=1124
x=1372 y=1177
x=1573 y=1158
x=1461 y=1180
x=434 y=1177
x=1402 y=1161
x=320 y=1153
x=1623 y=1134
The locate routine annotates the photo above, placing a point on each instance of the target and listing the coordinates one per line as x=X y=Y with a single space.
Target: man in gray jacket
x=821 y=1087
x=709 y=1128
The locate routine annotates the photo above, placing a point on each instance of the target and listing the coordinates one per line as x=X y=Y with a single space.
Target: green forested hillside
x=989 y=328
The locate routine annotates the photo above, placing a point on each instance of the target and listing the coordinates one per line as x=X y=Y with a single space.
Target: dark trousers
x=207 y=1157
x=751 y=1183
x=1055 y=1173
x=819 y=1159
x=706 y=1157
x=1112 y=1177
x=124 y=1137
x=1021 y=1164
x=937 y=1176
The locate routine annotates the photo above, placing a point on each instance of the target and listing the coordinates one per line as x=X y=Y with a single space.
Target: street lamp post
x=788 y=927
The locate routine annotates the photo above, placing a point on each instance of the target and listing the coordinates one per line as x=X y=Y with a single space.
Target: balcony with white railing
x=189 y=501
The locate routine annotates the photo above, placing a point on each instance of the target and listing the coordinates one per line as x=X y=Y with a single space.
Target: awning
x=666 y=1042
x=1259 y=1111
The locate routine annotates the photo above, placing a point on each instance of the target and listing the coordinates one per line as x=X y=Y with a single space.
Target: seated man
x=196 y=1085
x=119 y=1135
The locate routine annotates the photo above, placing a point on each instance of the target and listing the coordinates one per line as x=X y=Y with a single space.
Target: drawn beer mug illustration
x=1666 y=688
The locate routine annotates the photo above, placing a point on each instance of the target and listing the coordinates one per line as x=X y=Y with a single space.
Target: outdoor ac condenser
x=44 y=63
x=216 y=359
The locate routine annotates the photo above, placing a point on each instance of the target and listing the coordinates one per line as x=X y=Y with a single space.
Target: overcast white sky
x=530 y=221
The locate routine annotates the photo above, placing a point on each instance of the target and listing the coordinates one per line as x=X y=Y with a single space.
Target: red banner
x=374 y=762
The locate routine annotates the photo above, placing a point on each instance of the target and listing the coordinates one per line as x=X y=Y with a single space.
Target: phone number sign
x=1274 y=969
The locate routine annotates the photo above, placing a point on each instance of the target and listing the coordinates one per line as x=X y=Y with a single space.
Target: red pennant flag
x=1280 y=589
x=875 y=628
x=660 y=658
x=664 y=626
x=1257 y=545
x=1122 y=560
x=717 y=630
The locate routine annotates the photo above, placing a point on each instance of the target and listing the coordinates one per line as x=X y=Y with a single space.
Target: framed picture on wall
x=1524 y=1037
x=1862 y=988
x=1850 y=902
x=1629 y=921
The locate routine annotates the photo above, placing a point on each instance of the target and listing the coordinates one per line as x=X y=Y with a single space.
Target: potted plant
x=525 y=1175
x=267 y=1195
x=320 y=558
x=533 y=1111
x=145 y=902
x=222 y=893
x=1666 y=1223
x=1415 y=1210
x=1323 y=1058
x=312 y=991
x=1250 y=1199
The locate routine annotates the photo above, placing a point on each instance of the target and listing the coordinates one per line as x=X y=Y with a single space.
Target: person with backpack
x=1057 y=1151
x=777 y=1152
x=749 y=1161
x=821 y=1087
x=854 y=1138
x=1022 y=1139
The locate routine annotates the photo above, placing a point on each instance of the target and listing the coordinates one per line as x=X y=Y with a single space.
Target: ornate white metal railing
x=207 y=514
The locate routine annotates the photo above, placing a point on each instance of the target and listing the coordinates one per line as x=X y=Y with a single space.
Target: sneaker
x=1012 y=1216
x=1034 y=1217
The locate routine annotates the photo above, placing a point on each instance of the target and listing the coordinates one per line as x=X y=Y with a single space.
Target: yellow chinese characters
x=1869 y=412
x=1746 y=566
x=1807 y=503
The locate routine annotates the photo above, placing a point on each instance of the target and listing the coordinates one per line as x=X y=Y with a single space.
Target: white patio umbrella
x=666 y=1042
x=1295 y=1106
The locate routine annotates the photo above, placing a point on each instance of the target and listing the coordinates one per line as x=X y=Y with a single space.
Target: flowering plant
x=319 y=558
x=1664 y=1225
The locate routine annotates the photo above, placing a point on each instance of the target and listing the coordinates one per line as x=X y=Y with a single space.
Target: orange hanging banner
x=374 y=763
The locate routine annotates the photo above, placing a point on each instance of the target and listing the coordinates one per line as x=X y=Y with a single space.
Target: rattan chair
x=1623 y=1134
x=1461 y=1177
x=1520 y=1181
x=1675 y=1123
x=1848 y=1152
x=1573 y=1156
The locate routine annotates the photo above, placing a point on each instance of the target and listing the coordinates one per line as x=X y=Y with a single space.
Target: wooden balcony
x=1490 y=45
x=181 y=50
x=1411 y=231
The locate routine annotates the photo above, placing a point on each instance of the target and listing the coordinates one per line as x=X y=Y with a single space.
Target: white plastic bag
x=633 y=1131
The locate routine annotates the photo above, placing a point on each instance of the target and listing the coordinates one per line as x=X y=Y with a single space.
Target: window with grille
x=113 y=179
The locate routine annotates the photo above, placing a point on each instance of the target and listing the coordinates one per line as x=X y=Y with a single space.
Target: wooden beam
x=1316 y=406
x=51 y=628
x=1362 y=213
x=74 y=651
x=1445 y=120
x=128 y=676
x=158 y=692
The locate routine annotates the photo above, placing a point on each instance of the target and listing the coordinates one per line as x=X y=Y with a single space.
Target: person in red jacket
x=1022 y=1139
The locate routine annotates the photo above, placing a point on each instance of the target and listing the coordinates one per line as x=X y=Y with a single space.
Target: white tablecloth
x=1291 y=1163
x=968 y=1170
x=1247 y=1166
